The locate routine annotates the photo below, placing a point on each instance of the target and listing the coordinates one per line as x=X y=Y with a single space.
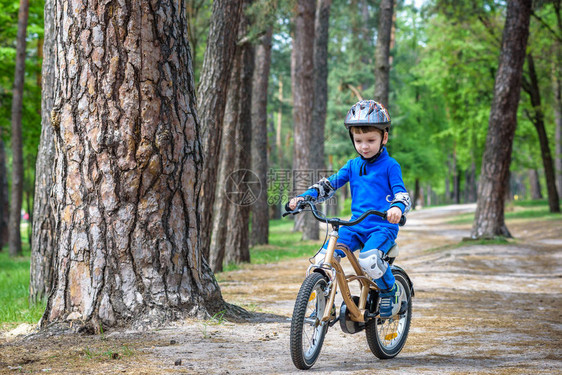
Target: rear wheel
x=307 y=331
x=386 y=337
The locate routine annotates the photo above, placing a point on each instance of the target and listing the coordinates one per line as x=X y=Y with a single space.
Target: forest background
x=444 y=58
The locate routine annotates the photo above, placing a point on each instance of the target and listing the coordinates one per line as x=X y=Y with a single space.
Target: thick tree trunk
x=489 y=217
x=128 y=167
x=532 y=88
x=4 y=201
x=17 y=149
x=244 y=184
x=42 y=242
x=302 y=82
x=260 y=217
x=215 y=75
x=382 y=52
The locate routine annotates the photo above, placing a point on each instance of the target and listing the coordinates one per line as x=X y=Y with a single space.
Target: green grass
x=531 y=209
x=283 y=244
x=14 y=291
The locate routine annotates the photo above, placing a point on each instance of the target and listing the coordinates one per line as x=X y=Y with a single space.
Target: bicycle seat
x=393 y=252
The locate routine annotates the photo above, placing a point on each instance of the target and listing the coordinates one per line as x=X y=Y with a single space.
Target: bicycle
x=315 y=309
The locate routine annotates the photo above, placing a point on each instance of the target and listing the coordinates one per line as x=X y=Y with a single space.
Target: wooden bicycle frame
x=356 y=311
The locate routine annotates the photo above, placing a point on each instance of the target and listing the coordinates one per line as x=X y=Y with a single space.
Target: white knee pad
x=371 y=261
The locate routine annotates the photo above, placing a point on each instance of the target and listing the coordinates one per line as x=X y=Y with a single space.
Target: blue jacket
x=373 y=186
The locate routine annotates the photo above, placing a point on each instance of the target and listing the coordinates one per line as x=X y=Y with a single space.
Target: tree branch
x=546 y=25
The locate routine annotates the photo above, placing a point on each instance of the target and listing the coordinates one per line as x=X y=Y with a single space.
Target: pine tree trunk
x=535 y=184
x=557 y=87
x=215 y=75
x=42 y=242
x=4 y=201
x=470 y=184
x=127 y=169
x=226 y=168
x=260 y=215
x=489 y=217
x=382 y=52
x=302 y=82
x=532 y=88
x=558 y=131
x=456 y=181
x=17 y=148
x=244 y=192
x=321 y=34
x=416 y=194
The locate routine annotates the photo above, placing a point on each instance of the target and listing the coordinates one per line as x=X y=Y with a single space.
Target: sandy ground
x=478 y=309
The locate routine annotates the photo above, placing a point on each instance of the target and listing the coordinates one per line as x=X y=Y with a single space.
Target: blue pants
x=380 y=237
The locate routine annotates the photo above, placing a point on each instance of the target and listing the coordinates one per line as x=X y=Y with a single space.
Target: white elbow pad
x=403 y=198
x=324 y=188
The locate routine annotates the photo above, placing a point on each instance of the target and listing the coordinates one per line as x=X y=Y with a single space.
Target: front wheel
x=307 y=330
x=386 y=337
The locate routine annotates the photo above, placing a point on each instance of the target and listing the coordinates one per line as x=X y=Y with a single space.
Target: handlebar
x=336 y=221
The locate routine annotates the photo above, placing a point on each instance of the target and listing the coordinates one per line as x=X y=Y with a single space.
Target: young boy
x=375 y=181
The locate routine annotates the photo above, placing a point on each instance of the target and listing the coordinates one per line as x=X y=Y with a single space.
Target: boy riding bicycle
x=376 y=184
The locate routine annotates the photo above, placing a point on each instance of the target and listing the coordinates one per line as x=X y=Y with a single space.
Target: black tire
x=307 y=334
x=387 y=337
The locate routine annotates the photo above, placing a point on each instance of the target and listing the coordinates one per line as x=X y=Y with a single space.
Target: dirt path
x=478 y=309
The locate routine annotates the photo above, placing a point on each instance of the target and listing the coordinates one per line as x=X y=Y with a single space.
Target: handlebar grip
x=402 y=221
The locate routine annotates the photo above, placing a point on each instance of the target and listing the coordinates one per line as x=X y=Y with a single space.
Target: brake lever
x=300 y=207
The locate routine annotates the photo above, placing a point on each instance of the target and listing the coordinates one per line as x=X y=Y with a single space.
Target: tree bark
x=489 y=218
x=319 y=109
x=127 y=169
x=215 y=75
x=302 y=83
x=260 y=217
x=17 y=148
x=534 y=183
x=244 y=187
x=416 y=195
x=456 y=180
x=470 y=184
x=531 y=86
x=557 y=88
x=4 y=193
x=226 y=168
x=42 y=241
x=382 y=52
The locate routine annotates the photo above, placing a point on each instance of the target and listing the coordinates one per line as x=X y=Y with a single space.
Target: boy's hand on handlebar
x=293 y=202
x=393 y=215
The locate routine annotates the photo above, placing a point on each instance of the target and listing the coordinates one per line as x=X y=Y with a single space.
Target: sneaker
x=390 y=302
